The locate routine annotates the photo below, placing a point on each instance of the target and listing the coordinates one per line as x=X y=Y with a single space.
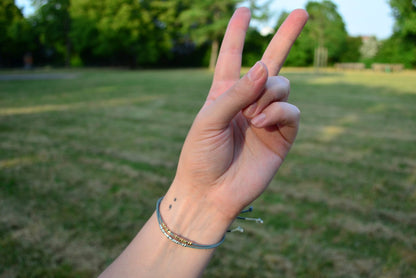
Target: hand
x=236 y=144
x=246 y=127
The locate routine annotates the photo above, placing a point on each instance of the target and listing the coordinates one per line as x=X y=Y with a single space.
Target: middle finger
x=278 y=49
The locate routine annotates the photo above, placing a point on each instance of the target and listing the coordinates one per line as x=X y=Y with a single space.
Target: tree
x=302 y=52
x=122 y=32
x=206 y=21
x=351 y=51
x=16 y=36
x=401 y=46
x=404 y=12
x=254 y=45
x=53 y=21
x=326 y=27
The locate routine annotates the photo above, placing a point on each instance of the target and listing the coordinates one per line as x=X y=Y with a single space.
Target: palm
x=257 y=154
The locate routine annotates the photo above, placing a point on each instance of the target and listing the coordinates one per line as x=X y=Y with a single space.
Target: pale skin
x=235 y=146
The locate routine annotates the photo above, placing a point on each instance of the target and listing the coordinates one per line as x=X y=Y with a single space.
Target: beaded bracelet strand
x=188 y=243
x=179 y=239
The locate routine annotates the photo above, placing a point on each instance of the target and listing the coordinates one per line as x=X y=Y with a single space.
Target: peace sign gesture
x=246 y=127
x=236 y=144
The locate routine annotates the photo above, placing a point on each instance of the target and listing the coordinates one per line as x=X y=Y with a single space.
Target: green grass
x=83 y=161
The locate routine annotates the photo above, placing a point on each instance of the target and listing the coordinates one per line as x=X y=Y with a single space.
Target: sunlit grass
x=83 y=161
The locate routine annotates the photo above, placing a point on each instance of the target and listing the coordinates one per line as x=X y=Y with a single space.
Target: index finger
x=279 y=47
x=227 y=69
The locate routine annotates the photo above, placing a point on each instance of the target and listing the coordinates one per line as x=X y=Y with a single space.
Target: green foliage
x=76 y=61
x=121 y=32
x=351 y=50
x=181 y=33
x=206 y=21
x=53 y=23
x=401 y=47
x=397 y=50
x=404 y=11
x=254 y=46
x=8 y=14
x=326 y=28
x=302 y=51
x=16 y=35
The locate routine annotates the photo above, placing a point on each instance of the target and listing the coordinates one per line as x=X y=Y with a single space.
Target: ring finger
x=277 y=89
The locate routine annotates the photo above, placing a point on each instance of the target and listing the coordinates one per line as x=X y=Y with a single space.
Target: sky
x=361 y=17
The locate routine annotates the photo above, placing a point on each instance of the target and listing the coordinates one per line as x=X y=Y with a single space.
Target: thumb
x=222 y=110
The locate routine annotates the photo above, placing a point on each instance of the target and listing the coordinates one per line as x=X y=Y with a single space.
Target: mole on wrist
x=170 y=205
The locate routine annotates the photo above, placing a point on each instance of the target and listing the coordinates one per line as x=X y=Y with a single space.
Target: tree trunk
x=68 y=53
x=214 y=54
x=67 y=28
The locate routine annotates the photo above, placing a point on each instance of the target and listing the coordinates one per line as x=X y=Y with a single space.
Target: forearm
x=152 y=254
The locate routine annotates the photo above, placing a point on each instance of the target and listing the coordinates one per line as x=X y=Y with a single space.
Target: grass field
x=84 y=159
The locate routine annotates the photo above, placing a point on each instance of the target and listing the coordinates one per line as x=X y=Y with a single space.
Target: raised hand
x=243 y=132
x=236 y=144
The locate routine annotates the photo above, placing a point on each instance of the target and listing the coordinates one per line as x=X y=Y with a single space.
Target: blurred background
x=96 y=99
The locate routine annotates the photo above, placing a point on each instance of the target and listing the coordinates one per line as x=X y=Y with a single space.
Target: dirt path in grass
x=37 y=76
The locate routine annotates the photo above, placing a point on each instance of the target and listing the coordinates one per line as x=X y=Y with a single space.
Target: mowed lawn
x=84 y=158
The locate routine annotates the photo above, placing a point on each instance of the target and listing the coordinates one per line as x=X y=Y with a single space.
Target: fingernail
x=256 y=71
x=258 y=120
x=251 y=109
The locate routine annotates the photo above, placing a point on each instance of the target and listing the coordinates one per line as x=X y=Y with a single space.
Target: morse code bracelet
x=179 y=239
x=189 y=243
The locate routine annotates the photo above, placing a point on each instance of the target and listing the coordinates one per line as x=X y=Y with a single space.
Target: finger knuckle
x=285 y=81
x=296 y=113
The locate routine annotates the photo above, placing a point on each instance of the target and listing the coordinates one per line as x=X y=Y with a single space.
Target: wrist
x=193 y=217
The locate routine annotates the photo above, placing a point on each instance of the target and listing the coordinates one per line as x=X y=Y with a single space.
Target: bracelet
x=179 y=239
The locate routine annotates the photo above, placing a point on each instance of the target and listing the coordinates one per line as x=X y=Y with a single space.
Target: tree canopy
x=16 y=37
x=120 y=32
x=206 y=21
x=52 y=21
x=182 y=33
x=401 y=46
x=325 y=28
